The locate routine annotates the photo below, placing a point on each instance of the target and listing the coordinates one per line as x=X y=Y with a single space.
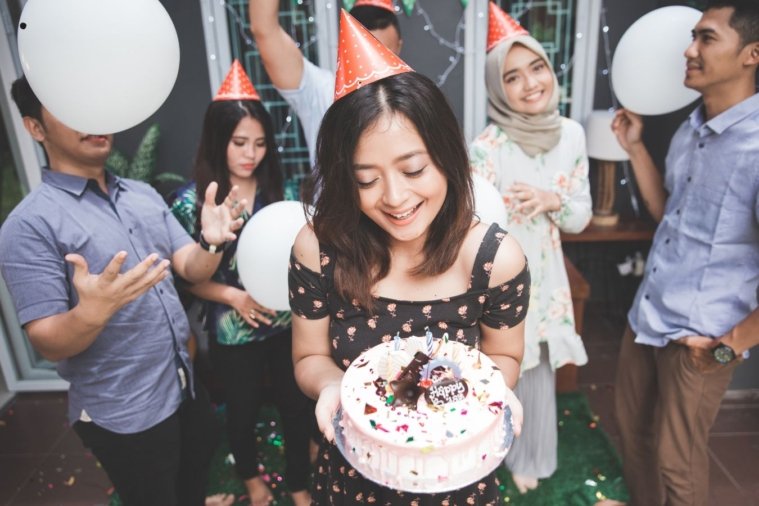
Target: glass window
x=15 y=348
x=552 y=22
x=297 y=18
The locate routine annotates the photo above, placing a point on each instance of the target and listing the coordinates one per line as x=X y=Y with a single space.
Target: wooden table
x=635 y=230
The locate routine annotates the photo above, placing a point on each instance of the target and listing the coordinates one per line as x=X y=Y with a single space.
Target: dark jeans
x=244 y=370
x=164 y=465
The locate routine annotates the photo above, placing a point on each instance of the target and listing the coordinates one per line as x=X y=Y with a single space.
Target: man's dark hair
x=375 y=18
x=744 y=20
x=27 y=102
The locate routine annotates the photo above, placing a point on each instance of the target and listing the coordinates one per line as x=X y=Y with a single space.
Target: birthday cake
x=423 y=415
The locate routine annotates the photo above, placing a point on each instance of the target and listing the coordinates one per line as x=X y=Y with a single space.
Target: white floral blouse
x=563 y=170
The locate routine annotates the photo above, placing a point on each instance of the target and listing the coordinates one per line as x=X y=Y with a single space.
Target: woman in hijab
x=537 y=160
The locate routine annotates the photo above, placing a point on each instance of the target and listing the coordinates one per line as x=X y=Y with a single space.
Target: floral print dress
x=223 y=322
x=352 y=331
x=563 y=170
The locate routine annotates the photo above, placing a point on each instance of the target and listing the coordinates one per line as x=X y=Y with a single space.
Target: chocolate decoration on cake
x=406 y=392
x=406 y=389
x=381 y=384
x=446 y=391
x=414 y=369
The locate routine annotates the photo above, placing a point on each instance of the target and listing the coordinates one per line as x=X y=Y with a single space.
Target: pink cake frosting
x=423 y=415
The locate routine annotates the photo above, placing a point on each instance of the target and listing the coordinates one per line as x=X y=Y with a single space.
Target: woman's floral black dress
x=352 y=331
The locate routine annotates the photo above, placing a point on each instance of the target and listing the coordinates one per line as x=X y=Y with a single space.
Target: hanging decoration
x=408 y=6
x=464 y=3
x=348 y=4
x=627 y=181
x=456 y=45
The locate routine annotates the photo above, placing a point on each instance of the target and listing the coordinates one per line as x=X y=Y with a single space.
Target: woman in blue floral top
x=248 y=340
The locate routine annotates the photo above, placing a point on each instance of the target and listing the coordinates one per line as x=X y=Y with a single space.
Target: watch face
x=723 y=354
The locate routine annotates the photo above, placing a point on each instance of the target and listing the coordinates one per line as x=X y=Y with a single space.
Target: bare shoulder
x=509 y=260
x=306 y=248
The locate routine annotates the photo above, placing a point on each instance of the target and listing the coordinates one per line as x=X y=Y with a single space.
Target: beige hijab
x=536 y=133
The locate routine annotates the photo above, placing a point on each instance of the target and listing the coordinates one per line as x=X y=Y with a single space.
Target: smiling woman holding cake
x=393 y=251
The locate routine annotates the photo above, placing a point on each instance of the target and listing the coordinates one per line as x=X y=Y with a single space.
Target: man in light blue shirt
x=86 y=259
x=695 y=313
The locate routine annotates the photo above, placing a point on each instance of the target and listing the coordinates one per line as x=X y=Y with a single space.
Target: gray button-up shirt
x=702 y=272
x=127 y=380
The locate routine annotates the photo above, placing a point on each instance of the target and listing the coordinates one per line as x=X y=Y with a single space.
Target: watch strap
x=211 y=248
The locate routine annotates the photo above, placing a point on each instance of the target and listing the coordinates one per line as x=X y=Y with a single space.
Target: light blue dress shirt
x=702 y=272
x=127 y=380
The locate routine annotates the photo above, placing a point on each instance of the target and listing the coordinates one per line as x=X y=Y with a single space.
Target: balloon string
x=630 y=182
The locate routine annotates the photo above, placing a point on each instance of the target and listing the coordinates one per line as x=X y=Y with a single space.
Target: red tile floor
x=42 y=461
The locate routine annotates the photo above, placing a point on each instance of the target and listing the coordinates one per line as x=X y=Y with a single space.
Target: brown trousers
x=665 y=407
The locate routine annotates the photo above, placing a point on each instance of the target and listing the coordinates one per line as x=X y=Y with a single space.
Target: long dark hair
x=362 y=246
x=219 y=124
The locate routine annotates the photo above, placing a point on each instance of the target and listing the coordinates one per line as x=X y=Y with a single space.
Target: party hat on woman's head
x=501 y=26
x=236 y=85
x=382 y=4
x=362 y=59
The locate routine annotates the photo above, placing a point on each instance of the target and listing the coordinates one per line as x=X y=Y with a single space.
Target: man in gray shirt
x=88 y=260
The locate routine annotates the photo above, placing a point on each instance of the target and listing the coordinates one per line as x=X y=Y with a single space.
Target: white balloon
x=99 y=66
x=263 y=252
x=488 y=202
x=648 y=68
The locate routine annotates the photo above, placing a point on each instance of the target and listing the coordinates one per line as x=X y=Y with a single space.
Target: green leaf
x=233 y=328
x=168 y=177
x=464 y=3
x=118 y=163
x=348 y=4
x=145 y=159
x=408 y=6
x=282 y=319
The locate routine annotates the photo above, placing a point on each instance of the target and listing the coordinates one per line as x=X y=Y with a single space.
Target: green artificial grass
x=588 y=471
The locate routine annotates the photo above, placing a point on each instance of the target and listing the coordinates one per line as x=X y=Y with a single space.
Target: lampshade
x=602 y=143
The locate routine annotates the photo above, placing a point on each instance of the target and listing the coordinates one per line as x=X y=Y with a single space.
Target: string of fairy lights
x=627 y=181
x=416 y=8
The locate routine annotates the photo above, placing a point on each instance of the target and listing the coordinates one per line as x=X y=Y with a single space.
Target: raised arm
x=218 y=224
x=628 y=127
x=281 y=57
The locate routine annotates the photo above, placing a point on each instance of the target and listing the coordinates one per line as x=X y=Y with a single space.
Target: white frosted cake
x=424 y=415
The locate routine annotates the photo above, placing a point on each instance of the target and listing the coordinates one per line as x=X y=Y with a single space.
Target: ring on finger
x=253 y=313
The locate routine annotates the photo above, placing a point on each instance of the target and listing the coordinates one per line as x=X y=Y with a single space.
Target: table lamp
x=604 y=147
